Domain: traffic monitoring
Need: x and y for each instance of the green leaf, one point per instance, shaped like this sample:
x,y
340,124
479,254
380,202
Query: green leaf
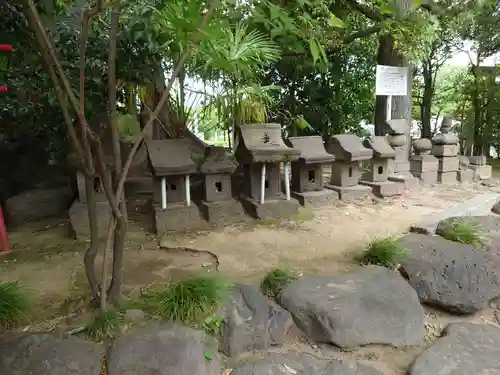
x,y
313,46
416,3
336,22
208,356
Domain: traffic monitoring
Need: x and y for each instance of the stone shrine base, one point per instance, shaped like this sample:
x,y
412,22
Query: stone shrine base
x,y
316,198
481,172
465,175
351,193
385,189
177,217
271,209
222,212
447,178
426,177
406,179
79,218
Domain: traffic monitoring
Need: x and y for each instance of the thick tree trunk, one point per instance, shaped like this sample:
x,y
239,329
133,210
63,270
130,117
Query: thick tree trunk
x,y
91,253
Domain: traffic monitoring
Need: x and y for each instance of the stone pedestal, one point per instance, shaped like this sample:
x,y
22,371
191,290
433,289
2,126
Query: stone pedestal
x,y
79,218
316,198
399,167
271,209
177,217
222,212
423,165
344,180
445,149
481,172
464,174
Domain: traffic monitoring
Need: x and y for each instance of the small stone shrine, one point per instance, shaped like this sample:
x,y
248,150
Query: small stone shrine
x,y
464,173
481,170
78,212
218,205
171,165
445,149
399,168
376,169
349,152
423,165
307,172
259,152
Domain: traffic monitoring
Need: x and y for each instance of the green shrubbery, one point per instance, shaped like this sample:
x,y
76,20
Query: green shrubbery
x,y
386,252
275,281
14,304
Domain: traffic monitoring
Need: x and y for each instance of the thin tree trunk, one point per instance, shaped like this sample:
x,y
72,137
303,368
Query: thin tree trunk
x,y
121,228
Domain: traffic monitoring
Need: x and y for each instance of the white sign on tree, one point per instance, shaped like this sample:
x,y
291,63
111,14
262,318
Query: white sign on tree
x,y
390,81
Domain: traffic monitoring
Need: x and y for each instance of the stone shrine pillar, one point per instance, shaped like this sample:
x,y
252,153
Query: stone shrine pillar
x,y
481,170
423,165
399,168
445,149
464,174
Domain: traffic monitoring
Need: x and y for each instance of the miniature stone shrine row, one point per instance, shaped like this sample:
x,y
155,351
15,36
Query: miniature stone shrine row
x,y
225,191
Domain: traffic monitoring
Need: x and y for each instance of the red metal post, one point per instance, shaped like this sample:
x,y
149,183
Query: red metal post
x,y
4,238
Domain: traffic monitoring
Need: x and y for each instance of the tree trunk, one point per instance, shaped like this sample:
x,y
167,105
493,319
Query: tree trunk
x,y
426,104
114,291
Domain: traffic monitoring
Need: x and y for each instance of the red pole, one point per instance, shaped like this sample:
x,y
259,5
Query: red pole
x,y
4,238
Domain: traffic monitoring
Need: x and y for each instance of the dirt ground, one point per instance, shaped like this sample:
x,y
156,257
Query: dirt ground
x,y
321,241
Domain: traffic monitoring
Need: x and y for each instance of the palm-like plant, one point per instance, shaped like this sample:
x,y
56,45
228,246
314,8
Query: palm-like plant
x,y
235,56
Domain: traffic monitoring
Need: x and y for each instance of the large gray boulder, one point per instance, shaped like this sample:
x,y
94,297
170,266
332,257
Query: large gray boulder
x,y
467,349
165,351
49,354
488,225
38,204
371,306
252,322
302,364
450,275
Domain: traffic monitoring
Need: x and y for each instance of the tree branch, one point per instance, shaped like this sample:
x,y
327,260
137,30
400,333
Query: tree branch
x,y
187,53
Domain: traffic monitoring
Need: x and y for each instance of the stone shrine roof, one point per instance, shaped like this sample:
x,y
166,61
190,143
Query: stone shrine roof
x,y
217,160
380,147
263,143
397,126
348,147
312,149
170,156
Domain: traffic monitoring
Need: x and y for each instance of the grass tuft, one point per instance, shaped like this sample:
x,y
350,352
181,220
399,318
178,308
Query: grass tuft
x,y
275,281
14,304
105,325
385,252
466,232
190,301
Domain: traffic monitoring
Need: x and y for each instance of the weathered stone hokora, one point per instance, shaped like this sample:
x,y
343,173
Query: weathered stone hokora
x,y
467,349
165,351
252,322
372,306
450,275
